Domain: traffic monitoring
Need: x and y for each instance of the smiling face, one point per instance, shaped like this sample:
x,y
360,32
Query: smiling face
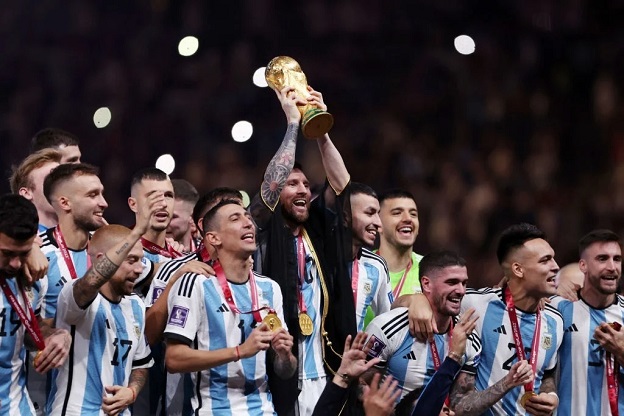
x,y
445,289
601,262
295,198
83,198
399,221
365,222
233,231
122,282
535,262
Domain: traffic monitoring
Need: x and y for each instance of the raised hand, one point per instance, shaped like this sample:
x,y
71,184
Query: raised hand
x,y
290,100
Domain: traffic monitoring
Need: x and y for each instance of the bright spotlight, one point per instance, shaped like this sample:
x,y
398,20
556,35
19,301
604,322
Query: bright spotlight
x,y
242,131
246,199
258,78
188,46
464,44
166,163
102,117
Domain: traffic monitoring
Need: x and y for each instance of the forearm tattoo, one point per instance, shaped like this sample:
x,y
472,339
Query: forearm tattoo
x,y
123,248
467,401
548,383
105,267
138,376
279,167
86,289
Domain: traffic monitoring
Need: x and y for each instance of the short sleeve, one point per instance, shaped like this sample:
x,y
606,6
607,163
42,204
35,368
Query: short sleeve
x,y
67,309
185,308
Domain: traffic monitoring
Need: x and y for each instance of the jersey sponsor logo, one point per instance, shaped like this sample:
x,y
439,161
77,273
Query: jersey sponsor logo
x,y
178,316
375,346
156,293
546,341
223,308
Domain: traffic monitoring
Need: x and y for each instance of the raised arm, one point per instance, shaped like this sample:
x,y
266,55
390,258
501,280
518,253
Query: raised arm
x,y
86,288
284,159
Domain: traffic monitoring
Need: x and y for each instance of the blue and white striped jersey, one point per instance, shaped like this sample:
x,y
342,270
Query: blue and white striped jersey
x,y
164,273
408,360
14,397
58,273
199,315
374,288
498,347
582,387
108,342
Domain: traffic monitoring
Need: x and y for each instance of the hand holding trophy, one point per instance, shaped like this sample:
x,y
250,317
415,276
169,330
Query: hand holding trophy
x,y
284,71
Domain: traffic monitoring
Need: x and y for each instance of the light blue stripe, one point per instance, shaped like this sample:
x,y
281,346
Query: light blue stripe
x,y
94,388
121,334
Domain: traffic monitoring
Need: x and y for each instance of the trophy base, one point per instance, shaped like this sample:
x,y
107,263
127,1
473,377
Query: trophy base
x,y
315,123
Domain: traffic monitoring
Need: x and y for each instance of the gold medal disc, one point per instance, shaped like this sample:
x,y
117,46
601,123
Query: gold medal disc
x,y
272,321
526,396
36,358
305,323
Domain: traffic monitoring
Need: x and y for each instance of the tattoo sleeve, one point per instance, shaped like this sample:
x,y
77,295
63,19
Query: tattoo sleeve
x,y
285,368
548,383
138,376
278,169
86,288
467,401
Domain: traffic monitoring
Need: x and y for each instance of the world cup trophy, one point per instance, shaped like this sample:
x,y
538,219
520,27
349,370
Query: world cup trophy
x,y
284,71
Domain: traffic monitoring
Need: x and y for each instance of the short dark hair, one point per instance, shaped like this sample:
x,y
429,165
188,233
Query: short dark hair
x,y
597,236
357,188
151,173
52,138
210,199
18,217
438,260
63,172
395,193
185,191
514,237
209,223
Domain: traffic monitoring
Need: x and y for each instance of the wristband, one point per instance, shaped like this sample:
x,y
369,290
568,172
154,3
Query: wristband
x,y
238,356
345,377
457,357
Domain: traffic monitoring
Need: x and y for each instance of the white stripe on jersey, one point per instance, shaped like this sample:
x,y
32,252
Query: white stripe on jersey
x,y
583,383
58,273
498,347
14,395
108,342
161,278
408,360
374,288
200,316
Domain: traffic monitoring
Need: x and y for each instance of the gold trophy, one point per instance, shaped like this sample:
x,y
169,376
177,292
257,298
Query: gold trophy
x,y
284,71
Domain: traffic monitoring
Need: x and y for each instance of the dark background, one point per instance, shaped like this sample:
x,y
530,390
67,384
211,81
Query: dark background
x,y
528,128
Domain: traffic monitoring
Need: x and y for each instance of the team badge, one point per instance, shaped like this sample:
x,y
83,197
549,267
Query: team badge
x,y
30,295
546,342
367,288
137,331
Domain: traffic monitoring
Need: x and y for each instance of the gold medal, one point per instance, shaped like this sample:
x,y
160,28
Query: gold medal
x,y
36,358
272,321
305,323
526,396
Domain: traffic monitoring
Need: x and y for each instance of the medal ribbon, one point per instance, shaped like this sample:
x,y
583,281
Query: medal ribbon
x,y
515,329
436,356
612,383
202,251
302,270
167,251
60,240
225,287
399,286
31,325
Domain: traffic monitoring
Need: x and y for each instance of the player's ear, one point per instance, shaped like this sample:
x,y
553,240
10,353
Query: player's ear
x,y
425,284
132,203
583,266
517,270
213,238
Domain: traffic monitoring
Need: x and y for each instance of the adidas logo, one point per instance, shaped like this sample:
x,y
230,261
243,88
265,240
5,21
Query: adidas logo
x,y
61,282
410,356
572,328
501,330
223,308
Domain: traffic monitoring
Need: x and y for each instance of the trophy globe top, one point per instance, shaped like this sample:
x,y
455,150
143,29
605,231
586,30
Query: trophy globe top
x,y
284,71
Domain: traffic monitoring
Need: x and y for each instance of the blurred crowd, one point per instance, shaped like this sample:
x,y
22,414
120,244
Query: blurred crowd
x,y
528,128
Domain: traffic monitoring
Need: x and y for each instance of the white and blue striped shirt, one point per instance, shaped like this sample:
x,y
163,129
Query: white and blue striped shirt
x,y
199,316
374,288
108,342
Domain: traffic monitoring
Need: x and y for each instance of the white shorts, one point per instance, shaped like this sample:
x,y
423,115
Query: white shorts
x,y
311,390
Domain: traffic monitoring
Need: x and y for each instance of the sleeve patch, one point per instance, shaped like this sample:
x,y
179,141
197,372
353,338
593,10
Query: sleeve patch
x,y
374,346
178,316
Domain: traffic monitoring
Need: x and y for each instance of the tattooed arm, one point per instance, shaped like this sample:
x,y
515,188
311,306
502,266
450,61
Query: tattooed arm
x,y
282,162
467,401
118,398
106,264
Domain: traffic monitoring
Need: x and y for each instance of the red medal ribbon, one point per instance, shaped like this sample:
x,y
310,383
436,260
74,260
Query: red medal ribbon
x,y
60,240
202,251
436,356
225,287
515,329
355,276
612,383
302,270
397,290
166,251
31,325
